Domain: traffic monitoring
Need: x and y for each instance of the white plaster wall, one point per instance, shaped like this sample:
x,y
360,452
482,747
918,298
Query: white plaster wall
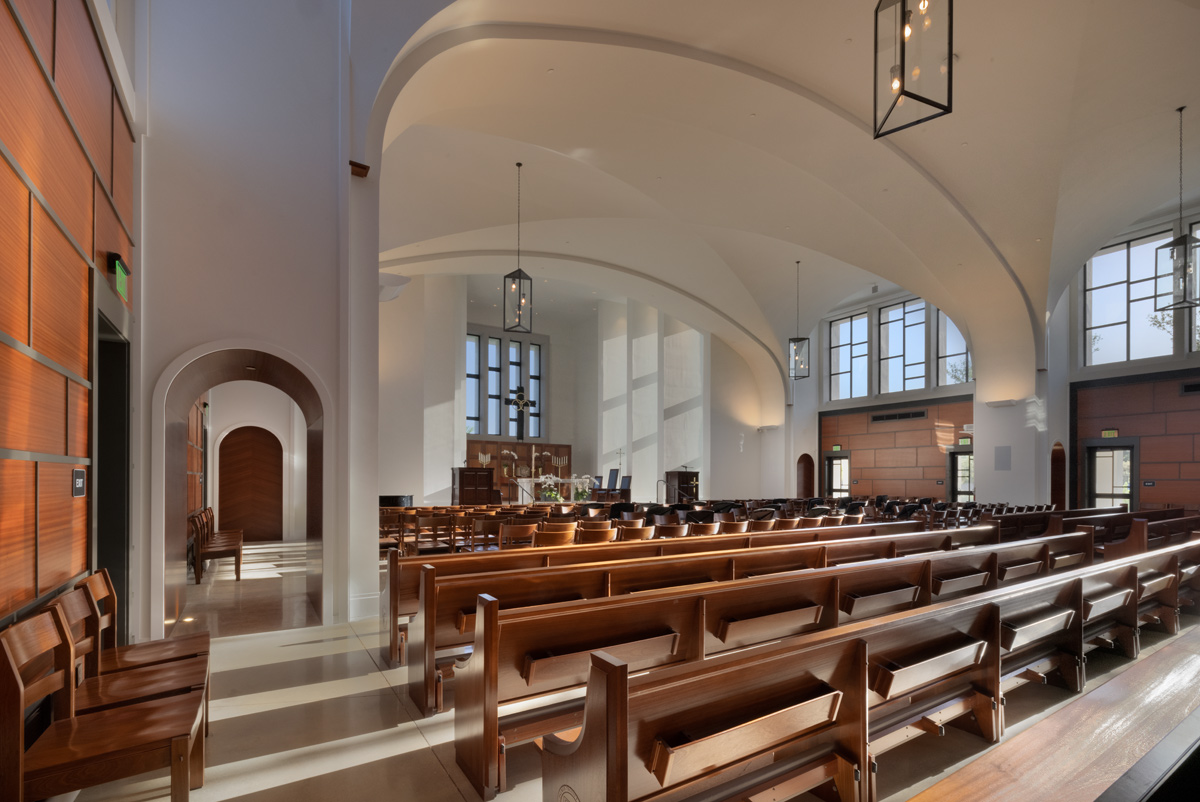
x,y
1019,427
444,381
237,404
683,398
734,422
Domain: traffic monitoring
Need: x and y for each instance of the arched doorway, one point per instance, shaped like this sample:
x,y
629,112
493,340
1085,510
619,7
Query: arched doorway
x,y
250,487
175,395
1058,476
805,477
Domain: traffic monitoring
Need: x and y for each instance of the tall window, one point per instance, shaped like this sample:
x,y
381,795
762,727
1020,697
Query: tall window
x,y
472,389
902,346
954,361
493,404
848,357
1120,286
514,381
535,390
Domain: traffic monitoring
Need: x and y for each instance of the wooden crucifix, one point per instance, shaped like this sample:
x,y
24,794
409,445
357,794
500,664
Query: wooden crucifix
x,y
520,403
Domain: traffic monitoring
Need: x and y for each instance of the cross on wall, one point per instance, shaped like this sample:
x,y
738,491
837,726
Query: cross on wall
x,y
521,404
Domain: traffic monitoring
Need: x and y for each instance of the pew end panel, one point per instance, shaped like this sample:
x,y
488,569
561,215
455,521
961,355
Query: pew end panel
x,y
1041,635
1109,611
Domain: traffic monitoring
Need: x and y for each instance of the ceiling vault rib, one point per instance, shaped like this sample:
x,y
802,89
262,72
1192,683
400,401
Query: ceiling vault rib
x,y
423,52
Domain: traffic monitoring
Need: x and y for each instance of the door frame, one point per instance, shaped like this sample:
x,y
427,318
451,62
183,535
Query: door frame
x,y
1086,445
827,474
951,477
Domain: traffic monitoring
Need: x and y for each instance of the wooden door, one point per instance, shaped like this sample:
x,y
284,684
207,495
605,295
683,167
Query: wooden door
x,y
251,484
805,477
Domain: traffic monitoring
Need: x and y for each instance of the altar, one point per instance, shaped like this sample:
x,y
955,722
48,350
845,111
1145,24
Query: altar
x,y
516,466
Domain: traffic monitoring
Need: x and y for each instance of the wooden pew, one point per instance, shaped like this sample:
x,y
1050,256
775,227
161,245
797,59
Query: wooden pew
x,y
1147,535
924,668
443,620
404,572
1109,526
1017,525
534,651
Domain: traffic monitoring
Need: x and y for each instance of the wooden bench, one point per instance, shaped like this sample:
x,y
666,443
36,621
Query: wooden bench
x,y
1109,526
76,751
924,668
1148,535
404,573
536,651
443,620
210,544
1017,525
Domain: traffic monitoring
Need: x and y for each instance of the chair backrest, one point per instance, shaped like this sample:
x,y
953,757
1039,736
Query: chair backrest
x,y
555,537
596,535
612,479
834,520
516,535
732,527
556,526
100,590
591,512
762,526
703,529
660,520
850,520
670,530
635,533
720,517
626,481
638,521
39,658
594,523
786,523
811,523
83,624
632,515
436,524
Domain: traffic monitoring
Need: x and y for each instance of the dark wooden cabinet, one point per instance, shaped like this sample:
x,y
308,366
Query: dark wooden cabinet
x,y
472,486
682,486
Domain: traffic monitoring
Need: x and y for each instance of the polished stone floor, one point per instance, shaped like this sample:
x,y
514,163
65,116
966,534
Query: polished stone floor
x,y
303,712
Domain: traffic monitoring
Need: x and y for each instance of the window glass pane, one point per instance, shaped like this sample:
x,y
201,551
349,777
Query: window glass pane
x,y
952,370
839,332
1141,256
1106,345
891,339
889,314
891,375
859,372
535,391
493,352
472,393
1107,267
535,360
860,328
493,382
535,427
839,360
493,426
472,354
842,386
1106,306
914,343
950,339
1151,333
514,377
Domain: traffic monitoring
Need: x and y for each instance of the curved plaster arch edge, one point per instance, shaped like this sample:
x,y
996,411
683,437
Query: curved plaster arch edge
x,y
154,535
406,66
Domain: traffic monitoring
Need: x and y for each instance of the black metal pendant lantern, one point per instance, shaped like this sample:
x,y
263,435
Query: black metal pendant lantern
x,y
1178,257
914,62
518,286
798,361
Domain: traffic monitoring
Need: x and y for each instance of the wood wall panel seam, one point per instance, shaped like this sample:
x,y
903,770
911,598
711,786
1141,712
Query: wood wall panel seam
x,y
44,127
14,255
83,83
32,404
42,203
61,300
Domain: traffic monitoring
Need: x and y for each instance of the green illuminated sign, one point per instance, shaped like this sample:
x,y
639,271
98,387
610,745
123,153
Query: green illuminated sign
x,y
837,448
1107,433
120,275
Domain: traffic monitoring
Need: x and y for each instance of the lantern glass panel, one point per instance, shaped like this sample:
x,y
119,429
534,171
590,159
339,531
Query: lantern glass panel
x,y
913,62
518,302
798,358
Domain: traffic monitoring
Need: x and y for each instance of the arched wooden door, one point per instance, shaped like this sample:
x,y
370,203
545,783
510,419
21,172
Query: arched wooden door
x,y
251,484
805,477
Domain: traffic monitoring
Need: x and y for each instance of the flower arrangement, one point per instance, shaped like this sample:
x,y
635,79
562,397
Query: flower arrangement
x,y
549,489
581,487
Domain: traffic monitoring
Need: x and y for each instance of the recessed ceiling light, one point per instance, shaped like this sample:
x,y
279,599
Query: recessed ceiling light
x,y
251,368
188,620
550,69
1039,239
752,114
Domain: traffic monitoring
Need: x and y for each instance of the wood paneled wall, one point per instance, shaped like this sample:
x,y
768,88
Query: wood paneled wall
x,y
1163,422
66,201
901,458
251,492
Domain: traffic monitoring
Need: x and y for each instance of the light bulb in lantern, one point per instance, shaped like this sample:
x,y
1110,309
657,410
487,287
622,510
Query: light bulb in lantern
x,y
895,78
923,6
907,25
513,287
927,23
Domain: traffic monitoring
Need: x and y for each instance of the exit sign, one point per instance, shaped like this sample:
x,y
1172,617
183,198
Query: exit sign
x,y
1107,433
964,441
78,478
837,448
120,272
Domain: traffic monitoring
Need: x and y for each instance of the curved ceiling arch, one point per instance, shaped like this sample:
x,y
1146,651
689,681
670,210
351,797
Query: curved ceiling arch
x,y
1028,341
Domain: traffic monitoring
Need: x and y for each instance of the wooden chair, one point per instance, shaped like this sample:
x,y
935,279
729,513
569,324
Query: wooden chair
x,y
703,529
209,544
762,526
485,533
833,520
852,520
555,537
635,532
633,516
811,523
434,531
660,520
514,536
81,750
786,523
597,535
389,529
732,527
594,523
670,530
104,656
638,521
723,517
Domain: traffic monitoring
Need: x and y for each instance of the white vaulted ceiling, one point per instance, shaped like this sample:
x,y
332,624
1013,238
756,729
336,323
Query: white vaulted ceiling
x,y
690,151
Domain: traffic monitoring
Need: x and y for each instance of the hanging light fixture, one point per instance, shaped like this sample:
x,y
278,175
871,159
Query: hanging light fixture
x,y
1178,257
798,362
518,287
914,62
